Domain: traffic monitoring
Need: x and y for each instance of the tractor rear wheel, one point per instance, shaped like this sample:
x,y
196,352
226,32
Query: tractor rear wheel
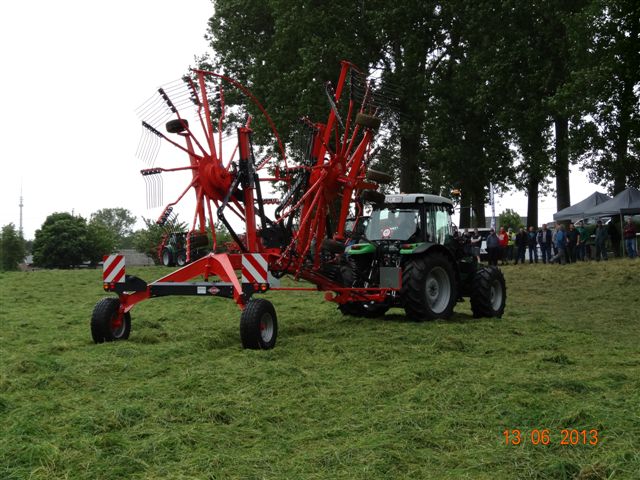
x,y
488,293
429,289
258,325
167,258
108,323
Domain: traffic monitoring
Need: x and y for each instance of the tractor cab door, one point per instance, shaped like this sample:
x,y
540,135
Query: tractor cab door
x,y
438,224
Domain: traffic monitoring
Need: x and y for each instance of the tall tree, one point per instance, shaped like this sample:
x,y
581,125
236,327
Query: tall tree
x,y
116,222
609,133
468,139
12,248
65,241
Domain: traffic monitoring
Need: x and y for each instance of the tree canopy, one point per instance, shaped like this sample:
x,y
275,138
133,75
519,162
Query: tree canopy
x,y
500,92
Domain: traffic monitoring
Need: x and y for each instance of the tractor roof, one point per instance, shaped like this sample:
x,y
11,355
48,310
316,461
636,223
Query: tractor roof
x,y
418,198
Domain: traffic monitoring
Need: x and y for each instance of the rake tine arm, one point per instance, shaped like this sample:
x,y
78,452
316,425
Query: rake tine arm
x,y
175,144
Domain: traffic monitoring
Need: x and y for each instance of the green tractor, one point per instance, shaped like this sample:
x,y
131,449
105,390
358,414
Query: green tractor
x,y
409,246
174,246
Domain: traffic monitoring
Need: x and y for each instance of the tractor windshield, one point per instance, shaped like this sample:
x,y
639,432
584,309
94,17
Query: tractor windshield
x,y
393,224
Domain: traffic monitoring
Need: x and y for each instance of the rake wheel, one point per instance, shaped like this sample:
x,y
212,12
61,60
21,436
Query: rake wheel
x,y
108,323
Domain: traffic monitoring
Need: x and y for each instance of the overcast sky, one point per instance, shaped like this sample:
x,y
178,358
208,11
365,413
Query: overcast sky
x,y
73,73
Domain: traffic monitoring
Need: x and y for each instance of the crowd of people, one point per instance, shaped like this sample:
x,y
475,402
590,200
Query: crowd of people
x,y
560,245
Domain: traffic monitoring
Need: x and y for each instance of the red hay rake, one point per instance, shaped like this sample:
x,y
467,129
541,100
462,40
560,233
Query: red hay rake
x,y
304,236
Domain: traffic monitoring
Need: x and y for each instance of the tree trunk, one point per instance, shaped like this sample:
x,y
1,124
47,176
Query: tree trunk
x,y
622,142
465,210
478,204
532,202
627,99
409,171
563,194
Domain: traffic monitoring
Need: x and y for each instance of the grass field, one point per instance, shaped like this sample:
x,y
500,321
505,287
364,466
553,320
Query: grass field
x,y
338,398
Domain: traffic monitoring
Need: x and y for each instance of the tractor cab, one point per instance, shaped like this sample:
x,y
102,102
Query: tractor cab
x,y
411,218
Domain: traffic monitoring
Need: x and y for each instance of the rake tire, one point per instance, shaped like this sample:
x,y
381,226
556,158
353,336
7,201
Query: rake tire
x,y
105,324
372,196
368,121
258,325
429,289
378,176
333,246
488,293
177,125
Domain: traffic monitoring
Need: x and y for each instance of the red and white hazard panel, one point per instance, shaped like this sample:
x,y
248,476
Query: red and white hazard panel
x,y
255,269
113,269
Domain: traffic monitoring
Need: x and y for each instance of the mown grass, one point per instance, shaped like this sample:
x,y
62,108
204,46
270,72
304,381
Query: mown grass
x,y
338,397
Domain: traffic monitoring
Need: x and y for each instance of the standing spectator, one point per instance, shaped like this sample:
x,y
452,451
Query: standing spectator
x,y
614,233
476,242
510,245
629,235
493,247
466,242
601,241
561,246
582,241
521,245
572,243
544,240
532,239
553,240
503,238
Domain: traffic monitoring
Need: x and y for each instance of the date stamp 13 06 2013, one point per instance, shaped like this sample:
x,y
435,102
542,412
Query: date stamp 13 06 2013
x,y
546,436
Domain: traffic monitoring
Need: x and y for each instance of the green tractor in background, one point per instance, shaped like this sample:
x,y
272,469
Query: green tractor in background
x,y
174,246
409,246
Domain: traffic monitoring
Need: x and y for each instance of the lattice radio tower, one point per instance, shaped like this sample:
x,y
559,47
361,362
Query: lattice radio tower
x,y
21,205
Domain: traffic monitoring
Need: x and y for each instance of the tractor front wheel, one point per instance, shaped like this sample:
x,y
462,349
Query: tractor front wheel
x,y
181,259
258,325
358,309
363,309
488,293
428,287
167,258
108,323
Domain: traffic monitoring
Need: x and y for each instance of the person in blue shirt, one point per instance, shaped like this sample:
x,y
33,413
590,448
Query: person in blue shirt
x,y
493,247
561,246
533,242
